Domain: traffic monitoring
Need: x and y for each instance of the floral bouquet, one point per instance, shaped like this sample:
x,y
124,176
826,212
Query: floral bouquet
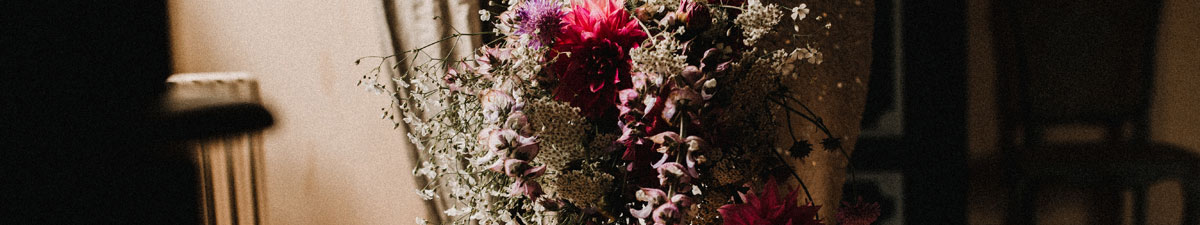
x,y
615,112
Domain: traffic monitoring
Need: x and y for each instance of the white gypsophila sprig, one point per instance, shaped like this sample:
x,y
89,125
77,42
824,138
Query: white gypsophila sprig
x,y
443,116
800,12
786,63
445,132
484,15
757,20
527,62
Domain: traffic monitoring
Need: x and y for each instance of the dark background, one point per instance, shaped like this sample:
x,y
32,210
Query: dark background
x,y
931,150
83,80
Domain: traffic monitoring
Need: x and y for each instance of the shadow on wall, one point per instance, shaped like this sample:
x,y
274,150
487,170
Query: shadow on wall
x,y
1172,120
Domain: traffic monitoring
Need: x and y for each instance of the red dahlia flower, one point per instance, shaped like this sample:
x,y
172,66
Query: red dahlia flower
x,y
767,209
594,62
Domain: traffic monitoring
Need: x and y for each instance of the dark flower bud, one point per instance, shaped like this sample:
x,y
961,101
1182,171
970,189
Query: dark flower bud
x,y
691,73
800,149
694,17
831,143
643,14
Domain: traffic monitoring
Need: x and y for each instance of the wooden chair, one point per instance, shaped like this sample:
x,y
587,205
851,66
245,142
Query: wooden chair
x,y
221,121
1090,63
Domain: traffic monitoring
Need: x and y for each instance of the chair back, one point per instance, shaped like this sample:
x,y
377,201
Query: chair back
x,y
230,165
1085,62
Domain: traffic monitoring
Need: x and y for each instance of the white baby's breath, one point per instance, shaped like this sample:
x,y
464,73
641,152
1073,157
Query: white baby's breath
x,y
426,194
484,15
427,170
457,211
800,12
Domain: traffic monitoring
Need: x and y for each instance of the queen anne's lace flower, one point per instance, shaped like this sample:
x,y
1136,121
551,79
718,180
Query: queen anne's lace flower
x,y
559,127
757,20
583,188
662,54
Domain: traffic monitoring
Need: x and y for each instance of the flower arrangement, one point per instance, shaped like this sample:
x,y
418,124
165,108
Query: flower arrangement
x,y
612,112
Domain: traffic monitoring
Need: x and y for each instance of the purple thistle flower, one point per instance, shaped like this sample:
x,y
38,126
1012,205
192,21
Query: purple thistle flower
x,y
541,19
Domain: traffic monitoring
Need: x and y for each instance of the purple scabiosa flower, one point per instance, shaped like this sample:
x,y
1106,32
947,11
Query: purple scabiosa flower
x,y
541,20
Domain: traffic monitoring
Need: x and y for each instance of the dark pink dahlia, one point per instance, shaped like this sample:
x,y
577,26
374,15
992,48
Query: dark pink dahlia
x,y
768,209
593,55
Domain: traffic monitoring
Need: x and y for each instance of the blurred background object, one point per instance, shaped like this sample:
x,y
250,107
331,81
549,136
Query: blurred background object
x,y
229,165
913,154
1087,64
330,158
1171,119
87,140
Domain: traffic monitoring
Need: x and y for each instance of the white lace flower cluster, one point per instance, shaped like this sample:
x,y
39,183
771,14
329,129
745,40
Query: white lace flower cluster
x,y
757,20
660,54
583,187
559,127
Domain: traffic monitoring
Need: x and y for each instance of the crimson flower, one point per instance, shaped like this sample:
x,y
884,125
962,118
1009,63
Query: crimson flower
x,y
767,209
593,55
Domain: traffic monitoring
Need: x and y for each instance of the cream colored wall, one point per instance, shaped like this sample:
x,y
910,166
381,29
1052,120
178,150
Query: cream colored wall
x,y
1174,119
329,159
